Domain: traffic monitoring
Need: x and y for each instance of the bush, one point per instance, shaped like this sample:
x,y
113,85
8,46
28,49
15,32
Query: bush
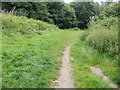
x,y
108,23
22,25
111,10
103,35
76,28
83,36
104,41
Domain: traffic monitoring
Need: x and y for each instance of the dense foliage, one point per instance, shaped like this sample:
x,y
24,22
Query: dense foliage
x,y
22,25
29,9
98,47
59,13
83,12
103,31
62,14
112,9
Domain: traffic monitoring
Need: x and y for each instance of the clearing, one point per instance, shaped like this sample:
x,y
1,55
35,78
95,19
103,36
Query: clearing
x,y
35,62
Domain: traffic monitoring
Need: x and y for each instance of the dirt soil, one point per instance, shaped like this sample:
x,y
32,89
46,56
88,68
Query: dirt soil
x,y
65,79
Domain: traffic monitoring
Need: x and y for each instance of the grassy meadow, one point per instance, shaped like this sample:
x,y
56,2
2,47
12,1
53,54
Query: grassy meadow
x,y
31,59
32,49
34,63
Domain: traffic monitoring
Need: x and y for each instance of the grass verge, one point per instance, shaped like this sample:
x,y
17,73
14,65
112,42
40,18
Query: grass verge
x,y
84,57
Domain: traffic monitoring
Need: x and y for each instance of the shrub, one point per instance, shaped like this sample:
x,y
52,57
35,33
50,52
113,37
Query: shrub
x,y
19,24
83,36
111,10
108,23
76,28
103,35
104,41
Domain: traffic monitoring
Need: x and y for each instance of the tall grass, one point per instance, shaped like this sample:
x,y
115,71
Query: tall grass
x,y
22,25
102,37
85,56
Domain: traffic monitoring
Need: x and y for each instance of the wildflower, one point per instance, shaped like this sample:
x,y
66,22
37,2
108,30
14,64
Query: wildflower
x,y
2,11
8,12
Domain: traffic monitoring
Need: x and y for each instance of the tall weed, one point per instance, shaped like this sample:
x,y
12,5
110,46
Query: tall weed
x,y
102,37
22,25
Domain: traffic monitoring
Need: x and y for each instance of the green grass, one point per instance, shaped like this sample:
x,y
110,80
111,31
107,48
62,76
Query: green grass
x,y
32,52
34,61
0,61
85,56
19,25
103,36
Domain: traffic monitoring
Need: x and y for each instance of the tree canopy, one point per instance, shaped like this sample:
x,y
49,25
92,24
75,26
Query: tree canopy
x,y
75,14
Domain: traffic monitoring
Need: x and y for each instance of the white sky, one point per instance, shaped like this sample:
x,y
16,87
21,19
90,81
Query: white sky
x,y
67,1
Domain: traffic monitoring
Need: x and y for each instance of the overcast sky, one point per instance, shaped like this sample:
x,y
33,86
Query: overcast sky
x,y
67,1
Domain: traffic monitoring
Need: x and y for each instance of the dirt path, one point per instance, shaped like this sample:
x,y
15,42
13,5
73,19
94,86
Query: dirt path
x,y
98,72
65,79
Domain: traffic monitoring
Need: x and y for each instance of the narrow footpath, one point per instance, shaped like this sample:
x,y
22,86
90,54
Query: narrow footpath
x,y
99,72
65,79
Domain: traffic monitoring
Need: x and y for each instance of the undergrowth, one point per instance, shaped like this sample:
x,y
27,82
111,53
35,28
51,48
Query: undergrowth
x,y
83,57
98,47
103,36
20,25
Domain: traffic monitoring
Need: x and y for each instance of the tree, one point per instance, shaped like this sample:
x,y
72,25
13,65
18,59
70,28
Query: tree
x,y
96,8
36,10
112,9
62,14
69,17
83,11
